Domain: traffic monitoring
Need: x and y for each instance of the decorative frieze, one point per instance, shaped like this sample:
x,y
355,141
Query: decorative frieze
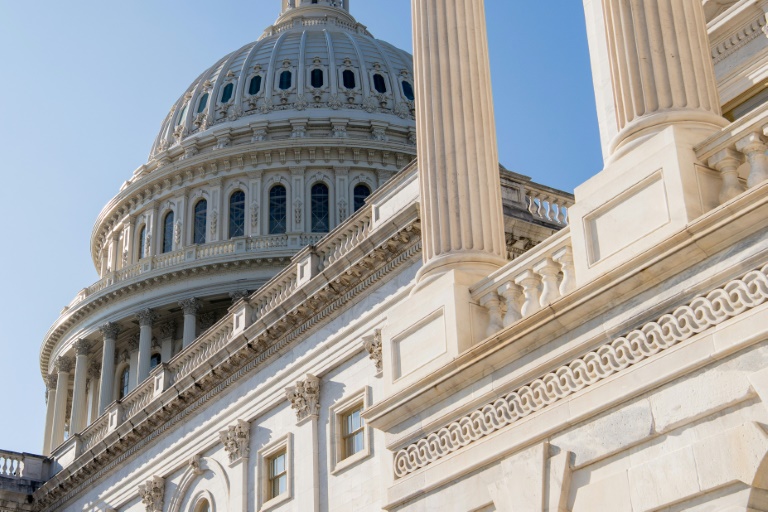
x,y
152,494
236,440
703,312
372,344
305,397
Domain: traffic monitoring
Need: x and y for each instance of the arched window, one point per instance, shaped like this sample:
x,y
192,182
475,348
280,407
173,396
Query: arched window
x,y
237,214
348,76
182,115
286,79
155,360
379,84
142,242
203,506
168,233
277,210
317,78
226,94
320,208
361,193
201,217
255,85
408,91
203,103
122,384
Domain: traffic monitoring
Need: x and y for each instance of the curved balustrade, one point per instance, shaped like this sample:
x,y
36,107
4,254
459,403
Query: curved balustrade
x,y
548,207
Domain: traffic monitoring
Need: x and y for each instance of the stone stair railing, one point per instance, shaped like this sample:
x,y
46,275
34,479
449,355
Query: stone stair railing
x,y
529,283
739,148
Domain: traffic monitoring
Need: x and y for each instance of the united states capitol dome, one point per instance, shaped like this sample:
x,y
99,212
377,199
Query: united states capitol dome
x,y
316,62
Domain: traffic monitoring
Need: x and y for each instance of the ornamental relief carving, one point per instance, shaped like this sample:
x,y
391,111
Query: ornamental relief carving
x,y
372,345
236,440
152,494
305,397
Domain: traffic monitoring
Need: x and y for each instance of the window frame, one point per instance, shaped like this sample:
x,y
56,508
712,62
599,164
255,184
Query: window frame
x,y
230,211
355,208
312,204
228,88
250,84
168,232
141,246
204,224
269,210
339,461
265,456
122,369
202,103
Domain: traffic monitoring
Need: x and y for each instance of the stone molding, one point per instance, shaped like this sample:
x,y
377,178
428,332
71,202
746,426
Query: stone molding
x,y
703,312
305,397
152,494
372,344
741,38
190,306
236,440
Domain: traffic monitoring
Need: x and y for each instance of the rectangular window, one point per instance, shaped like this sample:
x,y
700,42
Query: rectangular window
x,y
353,432
278,475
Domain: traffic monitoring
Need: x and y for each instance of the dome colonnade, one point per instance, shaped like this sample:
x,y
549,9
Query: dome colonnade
x,y
267,151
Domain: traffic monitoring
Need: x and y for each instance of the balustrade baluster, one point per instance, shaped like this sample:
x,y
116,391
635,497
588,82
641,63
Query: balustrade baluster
x,y
491,302
548,271
564,257
529,281
753,146
727,163
512,295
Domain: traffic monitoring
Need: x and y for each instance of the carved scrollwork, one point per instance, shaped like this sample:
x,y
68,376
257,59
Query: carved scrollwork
x,y
305,397
236,440
153,494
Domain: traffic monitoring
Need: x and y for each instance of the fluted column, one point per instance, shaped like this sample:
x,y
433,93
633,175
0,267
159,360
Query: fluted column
x,y
110,332
78,414
462,221
63,367
190,307
656,57
94,380
50,384
146,318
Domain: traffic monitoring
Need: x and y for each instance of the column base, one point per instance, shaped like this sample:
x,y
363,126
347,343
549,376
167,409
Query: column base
x,y
477,263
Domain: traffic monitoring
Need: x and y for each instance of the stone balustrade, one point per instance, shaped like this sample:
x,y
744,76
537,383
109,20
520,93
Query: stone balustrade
x,y
548,206
529,283
739,150
11,464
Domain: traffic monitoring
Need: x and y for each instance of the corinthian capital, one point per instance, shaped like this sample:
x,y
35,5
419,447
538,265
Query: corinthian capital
x,y
64,364
110,330
190,306
51,382
305,397
82,347
146,317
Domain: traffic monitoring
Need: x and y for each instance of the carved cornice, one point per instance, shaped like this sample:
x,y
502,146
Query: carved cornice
x,y
236,440
739,39
234,361
305,397
702,313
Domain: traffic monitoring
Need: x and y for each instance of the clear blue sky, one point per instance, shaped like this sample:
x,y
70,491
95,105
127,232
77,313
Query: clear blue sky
x,y
86,85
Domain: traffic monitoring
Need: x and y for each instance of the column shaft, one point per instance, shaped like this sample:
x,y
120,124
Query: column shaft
x,y
659,64
458,158
107,386
190,307
64,366
49,413
146,319
78,413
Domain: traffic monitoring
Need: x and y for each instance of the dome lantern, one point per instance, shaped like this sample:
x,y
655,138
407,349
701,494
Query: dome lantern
x,y
289,5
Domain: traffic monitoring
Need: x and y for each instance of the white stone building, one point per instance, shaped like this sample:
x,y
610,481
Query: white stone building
x,y
293,315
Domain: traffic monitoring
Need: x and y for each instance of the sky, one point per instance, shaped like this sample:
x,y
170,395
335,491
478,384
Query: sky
x,y
88,82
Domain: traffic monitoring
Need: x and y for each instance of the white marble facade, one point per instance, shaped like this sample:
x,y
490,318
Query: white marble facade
x,y
607,354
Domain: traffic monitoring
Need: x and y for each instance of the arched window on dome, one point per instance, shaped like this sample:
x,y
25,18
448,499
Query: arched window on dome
x,y
348,77
123,383
237,214
255,86
317,78
168,233
142,245
203,506
379,84
201,218
278,200
320,208
155,360
408,91
360,194
182,114
286,80
226,94
203,103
